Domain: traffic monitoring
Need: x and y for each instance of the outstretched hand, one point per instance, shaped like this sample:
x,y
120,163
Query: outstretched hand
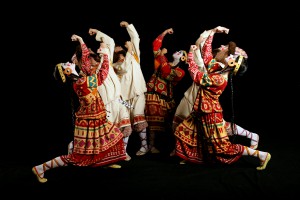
x,y
163,51
193,48
92,31
169,31
124,24
221,29
75,37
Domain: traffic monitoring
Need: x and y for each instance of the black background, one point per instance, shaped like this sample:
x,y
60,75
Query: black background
x,y
36,119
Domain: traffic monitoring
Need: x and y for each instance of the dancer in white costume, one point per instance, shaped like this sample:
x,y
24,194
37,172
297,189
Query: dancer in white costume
x,y
133,85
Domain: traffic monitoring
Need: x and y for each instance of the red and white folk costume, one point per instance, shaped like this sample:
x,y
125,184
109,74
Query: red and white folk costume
x,y
97,141
186,104
202,136
160,102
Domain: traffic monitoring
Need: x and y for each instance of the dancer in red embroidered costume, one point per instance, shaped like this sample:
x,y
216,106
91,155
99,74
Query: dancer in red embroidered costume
x,y
185,106
202,136
97,141
160,102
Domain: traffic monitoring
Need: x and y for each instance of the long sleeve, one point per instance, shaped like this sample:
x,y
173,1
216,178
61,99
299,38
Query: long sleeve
x,y
197,53
128,60
135,40
199,77
103,72
157,43
100,36
169,73
86,65
198,59
207,50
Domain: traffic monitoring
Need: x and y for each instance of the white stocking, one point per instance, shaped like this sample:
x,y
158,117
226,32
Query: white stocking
x,y
238,130
252,136
143,138
125,140
144,145
39,170
56,162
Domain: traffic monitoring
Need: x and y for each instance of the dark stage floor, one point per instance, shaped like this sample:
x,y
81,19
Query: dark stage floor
x,y
158,176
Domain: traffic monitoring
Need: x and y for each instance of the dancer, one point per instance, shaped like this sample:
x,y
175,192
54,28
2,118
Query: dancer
x,y
202,137
97,141
185,106
133,85
160,102
110,92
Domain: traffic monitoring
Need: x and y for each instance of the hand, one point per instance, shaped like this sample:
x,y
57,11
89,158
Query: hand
x,y
164,51
169,31
193,48
73,38
76,38
92,31
124,24
221,29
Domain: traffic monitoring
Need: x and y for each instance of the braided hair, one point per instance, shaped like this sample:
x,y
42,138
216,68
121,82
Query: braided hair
x,y
241,71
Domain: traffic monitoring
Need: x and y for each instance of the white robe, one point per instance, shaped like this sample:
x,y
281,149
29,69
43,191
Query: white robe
x,y
110,90
186,104
131,76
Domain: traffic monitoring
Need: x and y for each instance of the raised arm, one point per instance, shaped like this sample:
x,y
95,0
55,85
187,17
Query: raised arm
x,y
197,53
85,67
129,54
207,47
102,37
199,77
102,70
157,43
134,37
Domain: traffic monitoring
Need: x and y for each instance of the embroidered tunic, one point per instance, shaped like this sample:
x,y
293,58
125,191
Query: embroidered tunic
x,y
160,102
97,141
165,77
202,135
